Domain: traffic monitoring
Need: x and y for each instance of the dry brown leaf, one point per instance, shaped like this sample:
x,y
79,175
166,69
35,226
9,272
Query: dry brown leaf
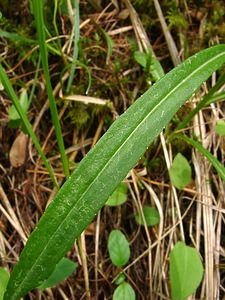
x,y
18,151
124,14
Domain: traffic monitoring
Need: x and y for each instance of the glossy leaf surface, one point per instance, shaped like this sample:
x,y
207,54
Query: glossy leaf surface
x,y
104,167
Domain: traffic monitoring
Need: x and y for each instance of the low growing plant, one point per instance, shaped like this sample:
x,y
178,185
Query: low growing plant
x,y
150,214
180,172
186,271
119,252
63,269
105,166
119,196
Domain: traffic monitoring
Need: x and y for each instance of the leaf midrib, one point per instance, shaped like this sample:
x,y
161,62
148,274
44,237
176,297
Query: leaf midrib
x,y
102,170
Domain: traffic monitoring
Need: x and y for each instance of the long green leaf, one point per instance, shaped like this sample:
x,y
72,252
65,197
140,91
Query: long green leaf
x,y
104,167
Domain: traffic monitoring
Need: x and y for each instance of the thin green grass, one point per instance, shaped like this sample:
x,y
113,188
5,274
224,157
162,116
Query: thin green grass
x,y
10,91
214,161
35,81
76,30
38,14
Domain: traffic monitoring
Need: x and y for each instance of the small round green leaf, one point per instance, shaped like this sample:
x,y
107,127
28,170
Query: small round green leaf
x,y
4,278
119,196
180,172
151,215
220,127
62,270
118,247
186,271
124,292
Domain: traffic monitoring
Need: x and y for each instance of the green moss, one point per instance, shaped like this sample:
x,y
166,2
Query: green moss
x,y
177,20
215,26
78,114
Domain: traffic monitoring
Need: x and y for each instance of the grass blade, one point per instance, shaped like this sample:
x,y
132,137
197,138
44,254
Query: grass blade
x,y
104,167
216,164
10,91
16,38
76,22
39,19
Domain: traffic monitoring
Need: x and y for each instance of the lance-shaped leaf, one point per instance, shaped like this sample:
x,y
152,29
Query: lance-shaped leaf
x,y
104,167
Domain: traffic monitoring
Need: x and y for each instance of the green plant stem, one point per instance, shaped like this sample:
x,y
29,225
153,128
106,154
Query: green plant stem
x,y
39,19
10,91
